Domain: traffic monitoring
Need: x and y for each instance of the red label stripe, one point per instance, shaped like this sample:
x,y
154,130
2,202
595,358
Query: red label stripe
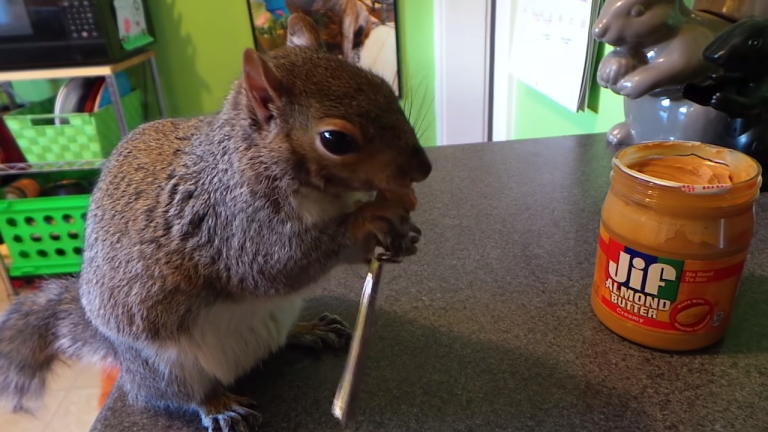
x,y
602,244
709,276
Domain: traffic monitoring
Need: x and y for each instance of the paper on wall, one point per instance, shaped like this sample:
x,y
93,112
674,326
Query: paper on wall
x,y
553,50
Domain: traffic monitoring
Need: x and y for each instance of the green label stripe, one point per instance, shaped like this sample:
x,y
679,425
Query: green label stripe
x,y
670,289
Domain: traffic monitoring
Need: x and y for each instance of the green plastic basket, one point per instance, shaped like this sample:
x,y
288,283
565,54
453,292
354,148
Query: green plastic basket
x,y
79,136
44,236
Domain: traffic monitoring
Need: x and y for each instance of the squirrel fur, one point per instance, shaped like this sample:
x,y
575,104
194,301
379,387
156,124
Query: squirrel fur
x,y
204,235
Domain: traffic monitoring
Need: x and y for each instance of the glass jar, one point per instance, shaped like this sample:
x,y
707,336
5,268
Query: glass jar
x,y
672,249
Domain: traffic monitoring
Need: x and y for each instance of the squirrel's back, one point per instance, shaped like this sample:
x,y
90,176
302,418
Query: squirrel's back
x,y
128,241
139,166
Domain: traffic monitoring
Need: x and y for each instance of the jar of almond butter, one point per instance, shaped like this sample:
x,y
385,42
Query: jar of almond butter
x,y
675,231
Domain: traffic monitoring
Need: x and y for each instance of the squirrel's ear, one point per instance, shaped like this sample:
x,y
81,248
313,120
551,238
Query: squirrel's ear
x,y
302,32
261,83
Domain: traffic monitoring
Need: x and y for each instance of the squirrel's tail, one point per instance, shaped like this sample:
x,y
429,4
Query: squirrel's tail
x,y
37,330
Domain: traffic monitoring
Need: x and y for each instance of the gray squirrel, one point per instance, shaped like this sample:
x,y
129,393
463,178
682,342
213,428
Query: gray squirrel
x,y
204,235
346,24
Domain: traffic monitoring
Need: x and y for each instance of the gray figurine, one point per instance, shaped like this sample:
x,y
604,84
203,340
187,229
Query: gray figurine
x,y
658,46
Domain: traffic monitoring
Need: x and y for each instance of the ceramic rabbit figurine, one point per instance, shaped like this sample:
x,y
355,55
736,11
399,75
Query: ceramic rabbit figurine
x,y
658,46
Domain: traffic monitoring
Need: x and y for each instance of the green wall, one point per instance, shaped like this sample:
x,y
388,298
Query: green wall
x,y
417,63
200,45
534,115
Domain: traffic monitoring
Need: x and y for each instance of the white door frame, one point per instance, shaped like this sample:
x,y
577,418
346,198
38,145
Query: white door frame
x,y
462,70
502,127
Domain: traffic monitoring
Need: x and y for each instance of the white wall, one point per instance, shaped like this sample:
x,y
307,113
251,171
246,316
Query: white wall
x,y
503,82
462,57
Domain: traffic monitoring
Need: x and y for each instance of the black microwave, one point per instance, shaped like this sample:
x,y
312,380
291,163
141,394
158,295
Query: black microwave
x,y
36,34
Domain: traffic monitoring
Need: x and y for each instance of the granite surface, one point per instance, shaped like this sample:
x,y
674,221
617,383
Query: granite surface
x,y
489,327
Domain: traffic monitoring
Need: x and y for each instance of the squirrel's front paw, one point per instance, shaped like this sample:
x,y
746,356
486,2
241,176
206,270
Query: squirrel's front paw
x,y
388,219
399,241
230,413
327,331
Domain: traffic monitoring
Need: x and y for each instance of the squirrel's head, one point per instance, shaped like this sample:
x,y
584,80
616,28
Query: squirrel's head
x,y
342,124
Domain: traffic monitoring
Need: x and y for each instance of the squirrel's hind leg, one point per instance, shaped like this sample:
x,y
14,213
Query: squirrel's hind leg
x,y
182,384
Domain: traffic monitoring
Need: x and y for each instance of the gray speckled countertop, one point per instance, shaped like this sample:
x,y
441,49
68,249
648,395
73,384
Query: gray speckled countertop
x,y
489,327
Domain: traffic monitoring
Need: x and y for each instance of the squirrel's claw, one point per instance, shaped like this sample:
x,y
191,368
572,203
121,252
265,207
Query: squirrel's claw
x,y
230,413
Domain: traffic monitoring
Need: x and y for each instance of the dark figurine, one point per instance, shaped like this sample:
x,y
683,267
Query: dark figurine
x,y
740,90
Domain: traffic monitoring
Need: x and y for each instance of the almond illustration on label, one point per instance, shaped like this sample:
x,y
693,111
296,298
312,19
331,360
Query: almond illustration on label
x,y
692,315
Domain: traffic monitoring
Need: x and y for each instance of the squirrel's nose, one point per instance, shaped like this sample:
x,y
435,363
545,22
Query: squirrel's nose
x,y
421,166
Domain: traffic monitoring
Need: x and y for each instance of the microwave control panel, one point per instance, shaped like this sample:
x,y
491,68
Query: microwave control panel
x,y
80,18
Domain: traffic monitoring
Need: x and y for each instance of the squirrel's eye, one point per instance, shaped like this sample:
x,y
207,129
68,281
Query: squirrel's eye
x,y
338,143
637,11
755,42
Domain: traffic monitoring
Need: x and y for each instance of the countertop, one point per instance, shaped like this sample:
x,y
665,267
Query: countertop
x,y
489,327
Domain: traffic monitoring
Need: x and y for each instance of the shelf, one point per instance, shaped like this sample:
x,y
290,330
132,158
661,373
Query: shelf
x,y
106,71
47,167
75,72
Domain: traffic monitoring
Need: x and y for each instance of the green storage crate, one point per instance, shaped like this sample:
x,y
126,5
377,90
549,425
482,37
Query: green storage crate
x,y
44,236
81,136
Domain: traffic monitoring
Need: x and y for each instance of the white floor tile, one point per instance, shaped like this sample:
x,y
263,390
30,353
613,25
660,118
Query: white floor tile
x,y
71,402
88,376
63,376
76,413
4,302
36,422
75,375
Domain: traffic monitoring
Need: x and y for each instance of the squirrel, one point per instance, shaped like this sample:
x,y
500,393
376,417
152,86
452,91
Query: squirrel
x,y
304,32
205,234
344,24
